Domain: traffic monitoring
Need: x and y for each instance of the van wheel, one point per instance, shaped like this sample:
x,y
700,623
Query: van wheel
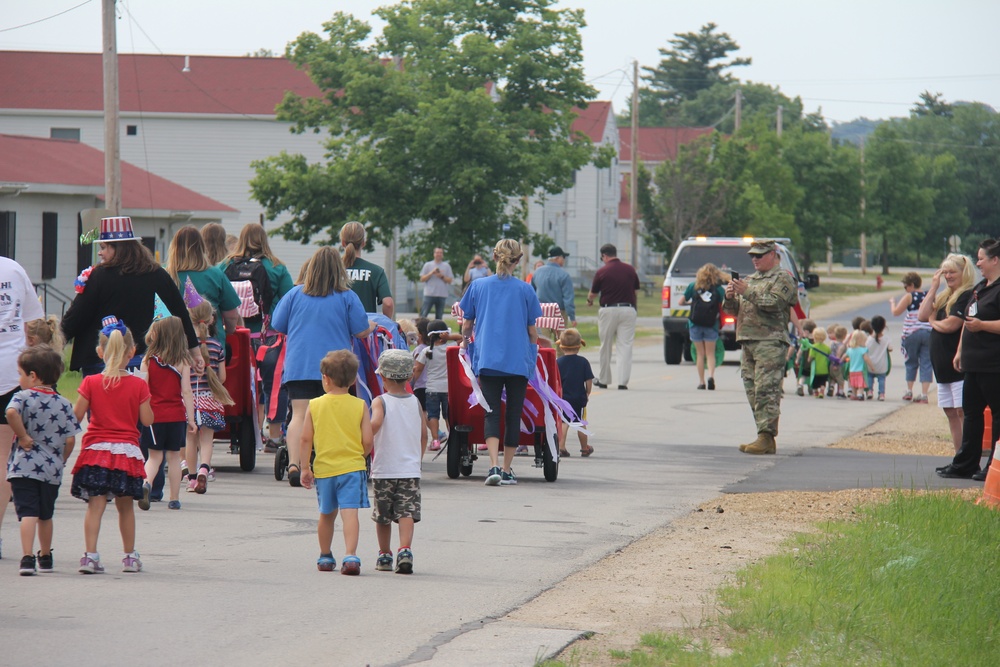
x,y
673,348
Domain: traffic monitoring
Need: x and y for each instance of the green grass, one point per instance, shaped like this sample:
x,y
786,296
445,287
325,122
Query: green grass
x,y
912,582
827,292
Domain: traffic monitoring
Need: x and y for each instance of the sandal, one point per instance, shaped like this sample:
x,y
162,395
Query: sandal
x,y
351,565
294,477
586,451
563,453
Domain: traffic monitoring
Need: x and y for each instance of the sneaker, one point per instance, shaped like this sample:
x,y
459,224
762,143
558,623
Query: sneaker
x,y
800,391
90,565
384,562
493,478
184,469
483,448
144,501
271,446
908,396
711,384
131,562
326,563
211,474
201,482
829,391
920,399
27,566
508,478
869,395
351,566
435,446
192,484
404,562
45,562
522,450
174,505
881,397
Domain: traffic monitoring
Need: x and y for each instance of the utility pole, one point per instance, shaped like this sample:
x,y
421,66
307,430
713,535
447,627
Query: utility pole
x,y
739,109
781,118
864,205
112,151
634,187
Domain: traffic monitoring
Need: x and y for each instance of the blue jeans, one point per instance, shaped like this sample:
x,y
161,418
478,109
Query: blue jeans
x,y
872,377
437,302
917,346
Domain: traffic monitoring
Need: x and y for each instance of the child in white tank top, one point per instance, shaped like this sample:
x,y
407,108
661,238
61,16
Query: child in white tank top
x,y
400,428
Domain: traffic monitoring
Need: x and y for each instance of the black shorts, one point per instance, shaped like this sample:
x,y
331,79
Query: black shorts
x,y
304,390
4,400
165,436
33,498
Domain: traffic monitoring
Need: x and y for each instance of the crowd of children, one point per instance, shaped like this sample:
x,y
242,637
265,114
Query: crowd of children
x,y
848,365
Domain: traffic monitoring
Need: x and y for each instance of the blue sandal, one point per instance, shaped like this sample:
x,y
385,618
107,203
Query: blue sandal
x,y
326,563
351,565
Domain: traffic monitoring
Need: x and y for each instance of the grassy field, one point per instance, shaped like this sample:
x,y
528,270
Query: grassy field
x,y
912,582
827,292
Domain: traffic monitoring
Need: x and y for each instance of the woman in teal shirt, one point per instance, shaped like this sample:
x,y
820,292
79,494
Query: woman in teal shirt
x,y
253,243
186,259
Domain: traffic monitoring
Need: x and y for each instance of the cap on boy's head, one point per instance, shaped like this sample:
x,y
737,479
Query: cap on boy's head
x,y
761,247
395,365
570,340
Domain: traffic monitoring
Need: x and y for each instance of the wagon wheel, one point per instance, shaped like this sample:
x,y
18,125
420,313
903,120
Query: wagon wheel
x,y
280,462
248,444
550,467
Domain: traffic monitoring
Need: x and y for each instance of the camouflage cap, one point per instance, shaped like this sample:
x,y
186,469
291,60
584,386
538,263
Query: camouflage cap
x,y
395,365
761,247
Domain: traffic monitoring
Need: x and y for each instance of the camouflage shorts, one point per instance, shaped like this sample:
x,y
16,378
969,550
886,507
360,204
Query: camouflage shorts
x,y
396,499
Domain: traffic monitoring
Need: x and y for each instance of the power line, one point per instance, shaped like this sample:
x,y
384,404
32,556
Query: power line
x,y
65,11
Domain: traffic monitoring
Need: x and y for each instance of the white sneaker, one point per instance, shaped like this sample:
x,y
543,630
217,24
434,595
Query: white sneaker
x,y
90,565
131,562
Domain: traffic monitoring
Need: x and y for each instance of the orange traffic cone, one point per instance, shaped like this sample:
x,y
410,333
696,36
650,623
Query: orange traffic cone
x,y
988,436
991,492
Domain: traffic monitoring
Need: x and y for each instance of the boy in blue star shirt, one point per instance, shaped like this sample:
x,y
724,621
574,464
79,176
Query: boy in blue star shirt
x,y
46,429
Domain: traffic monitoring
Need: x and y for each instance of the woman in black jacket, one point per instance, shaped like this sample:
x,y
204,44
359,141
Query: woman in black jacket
x,y
123,285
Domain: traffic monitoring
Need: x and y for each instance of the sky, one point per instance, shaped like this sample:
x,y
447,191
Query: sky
x,y
847,58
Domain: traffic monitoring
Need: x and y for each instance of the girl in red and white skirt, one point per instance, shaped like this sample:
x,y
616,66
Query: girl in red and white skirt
x,y
110,465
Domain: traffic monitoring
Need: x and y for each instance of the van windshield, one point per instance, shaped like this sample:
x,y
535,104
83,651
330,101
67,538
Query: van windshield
x,y
727,258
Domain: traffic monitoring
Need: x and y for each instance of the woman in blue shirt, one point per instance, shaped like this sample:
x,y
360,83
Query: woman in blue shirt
x,y
318,316
499,321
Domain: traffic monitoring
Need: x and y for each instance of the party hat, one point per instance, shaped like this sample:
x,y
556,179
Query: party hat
x,y
159,310
118,228
191,296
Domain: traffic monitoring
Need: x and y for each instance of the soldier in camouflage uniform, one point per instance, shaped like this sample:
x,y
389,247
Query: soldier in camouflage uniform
x,y
761,304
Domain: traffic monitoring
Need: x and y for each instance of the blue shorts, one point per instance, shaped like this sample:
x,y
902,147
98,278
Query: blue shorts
x,y
164,436
706,334
346,492
437,404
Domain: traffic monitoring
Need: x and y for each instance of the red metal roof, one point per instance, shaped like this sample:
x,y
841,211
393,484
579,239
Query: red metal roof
x,y
150,83
657,144
35,160
592,120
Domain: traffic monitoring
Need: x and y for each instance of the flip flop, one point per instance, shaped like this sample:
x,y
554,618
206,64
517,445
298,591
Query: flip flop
x,y
294,477
586,452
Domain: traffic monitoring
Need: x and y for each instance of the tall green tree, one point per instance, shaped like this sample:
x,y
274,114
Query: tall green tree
x,y
899,203
714,106
696,61
829,177
414,132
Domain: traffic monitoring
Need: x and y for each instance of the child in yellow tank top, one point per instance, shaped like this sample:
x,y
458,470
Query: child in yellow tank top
x,y
339,427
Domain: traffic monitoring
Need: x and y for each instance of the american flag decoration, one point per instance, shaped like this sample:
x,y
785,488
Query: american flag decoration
x,y
118,228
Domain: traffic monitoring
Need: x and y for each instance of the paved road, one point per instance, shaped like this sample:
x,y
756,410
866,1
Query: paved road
x,y
231,577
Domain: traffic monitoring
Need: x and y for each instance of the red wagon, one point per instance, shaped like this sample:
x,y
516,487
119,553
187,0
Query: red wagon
x,y
467,421
241,418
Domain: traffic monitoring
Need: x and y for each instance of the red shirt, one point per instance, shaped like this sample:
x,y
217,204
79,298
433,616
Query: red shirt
x,y
616,282
165,388
114,412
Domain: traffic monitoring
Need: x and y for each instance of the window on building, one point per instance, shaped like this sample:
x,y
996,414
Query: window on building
x,y
72,133
7,228
50,245
131,130
84,253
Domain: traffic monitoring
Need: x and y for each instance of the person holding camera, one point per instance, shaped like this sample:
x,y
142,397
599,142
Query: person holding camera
x,y
477,268
762,303
437,276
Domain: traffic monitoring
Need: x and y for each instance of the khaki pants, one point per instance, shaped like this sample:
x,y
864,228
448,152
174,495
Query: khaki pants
x,y
616,324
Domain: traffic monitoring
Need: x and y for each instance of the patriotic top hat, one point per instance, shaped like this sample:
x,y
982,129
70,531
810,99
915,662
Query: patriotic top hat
x,y
116,229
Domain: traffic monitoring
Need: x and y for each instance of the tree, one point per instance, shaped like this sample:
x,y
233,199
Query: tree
x,y
713,106
829,176
932,104
414,133
899,204
695,62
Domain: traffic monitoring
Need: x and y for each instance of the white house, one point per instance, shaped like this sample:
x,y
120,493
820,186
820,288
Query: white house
x,y
44,186
200,121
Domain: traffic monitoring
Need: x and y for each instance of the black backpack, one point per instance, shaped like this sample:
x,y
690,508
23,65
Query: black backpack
x,y
705,308
250,270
